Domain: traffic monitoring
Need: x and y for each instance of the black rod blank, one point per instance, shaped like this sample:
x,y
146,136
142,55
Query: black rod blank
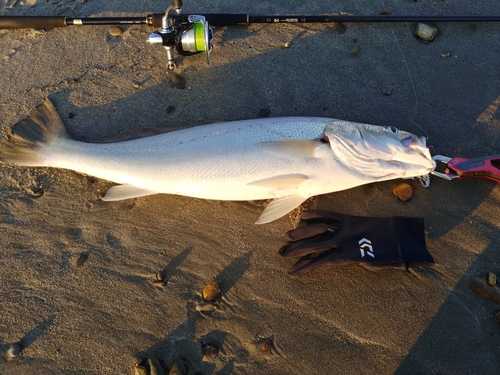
x,y
232,19
215,19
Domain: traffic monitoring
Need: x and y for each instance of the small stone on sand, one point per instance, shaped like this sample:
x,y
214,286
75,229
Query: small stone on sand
x,y
82,258
209,349
403,191
14,350
211,291
426,31
160,276
338,27
481,288
115,31
266,345
491,279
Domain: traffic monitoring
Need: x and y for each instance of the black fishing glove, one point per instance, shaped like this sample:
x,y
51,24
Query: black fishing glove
x,y
330,238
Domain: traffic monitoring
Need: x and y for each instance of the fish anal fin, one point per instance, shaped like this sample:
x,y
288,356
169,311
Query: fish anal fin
x,y
280,207
121,192
281,182
291,148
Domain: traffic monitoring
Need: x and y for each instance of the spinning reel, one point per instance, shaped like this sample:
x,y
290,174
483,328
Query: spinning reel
x,y
188,34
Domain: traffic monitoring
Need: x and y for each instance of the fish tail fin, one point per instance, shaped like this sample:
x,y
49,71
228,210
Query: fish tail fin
x,y
29,138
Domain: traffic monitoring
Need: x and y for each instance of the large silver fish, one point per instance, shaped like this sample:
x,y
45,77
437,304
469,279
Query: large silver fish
x,y
288,159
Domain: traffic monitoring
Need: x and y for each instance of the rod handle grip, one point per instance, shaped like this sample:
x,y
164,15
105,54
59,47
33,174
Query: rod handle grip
x,y
27,22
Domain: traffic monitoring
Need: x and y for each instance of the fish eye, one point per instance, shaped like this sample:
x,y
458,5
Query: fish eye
x,y
392,129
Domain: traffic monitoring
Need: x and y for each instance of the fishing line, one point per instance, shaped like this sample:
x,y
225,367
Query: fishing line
x,y
415,108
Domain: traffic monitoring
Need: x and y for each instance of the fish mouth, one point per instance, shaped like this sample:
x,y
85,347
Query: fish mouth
x,y
417,148
413,139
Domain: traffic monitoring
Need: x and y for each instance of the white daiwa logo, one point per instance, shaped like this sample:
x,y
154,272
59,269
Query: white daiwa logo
x,y
366,248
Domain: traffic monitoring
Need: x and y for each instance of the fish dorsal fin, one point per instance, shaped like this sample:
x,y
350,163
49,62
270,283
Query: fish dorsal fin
x,y
121,192
291,148
281,182
280,207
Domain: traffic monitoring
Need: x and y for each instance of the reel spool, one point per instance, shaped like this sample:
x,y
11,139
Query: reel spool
x,y
196,37
187,34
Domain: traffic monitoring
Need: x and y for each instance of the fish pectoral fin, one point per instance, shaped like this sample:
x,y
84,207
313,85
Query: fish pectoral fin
x,y
281,182
280,207
291,148
120,192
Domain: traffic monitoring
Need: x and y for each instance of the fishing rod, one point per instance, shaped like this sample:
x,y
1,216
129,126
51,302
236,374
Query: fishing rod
x,y
191,34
